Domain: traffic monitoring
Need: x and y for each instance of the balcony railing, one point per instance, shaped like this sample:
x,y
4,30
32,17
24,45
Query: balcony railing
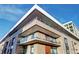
x,y
24,40
51,41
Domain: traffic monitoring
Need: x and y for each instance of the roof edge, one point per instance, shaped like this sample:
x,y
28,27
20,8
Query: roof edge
x,y
34,7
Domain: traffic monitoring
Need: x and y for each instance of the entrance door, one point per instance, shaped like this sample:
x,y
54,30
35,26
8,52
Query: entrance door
x,y
48,49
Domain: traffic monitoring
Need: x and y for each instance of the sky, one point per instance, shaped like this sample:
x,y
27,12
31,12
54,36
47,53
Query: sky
x,y
11,13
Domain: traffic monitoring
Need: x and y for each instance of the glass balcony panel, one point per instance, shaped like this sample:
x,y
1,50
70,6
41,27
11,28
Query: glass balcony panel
x,y
35,36
50,39
23,40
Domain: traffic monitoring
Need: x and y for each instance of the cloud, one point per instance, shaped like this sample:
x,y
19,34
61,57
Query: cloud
x,y
11,12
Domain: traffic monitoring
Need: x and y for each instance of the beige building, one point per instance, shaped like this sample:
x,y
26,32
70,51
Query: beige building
x,y
72,27
37,32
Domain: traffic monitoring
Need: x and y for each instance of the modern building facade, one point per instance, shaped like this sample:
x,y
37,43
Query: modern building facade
x,y
72,27
37,32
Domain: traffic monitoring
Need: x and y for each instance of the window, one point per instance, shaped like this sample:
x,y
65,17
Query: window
x,y
67,27
23,39
54,40
24,49
11,45
70,23
51,39
7,51
32,37
10,52
66,46
32,49
5,48
54,50
12,42
71,30
70,27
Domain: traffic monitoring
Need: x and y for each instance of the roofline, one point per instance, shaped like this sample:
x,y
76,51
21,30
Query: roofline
x,y
42,11
67,22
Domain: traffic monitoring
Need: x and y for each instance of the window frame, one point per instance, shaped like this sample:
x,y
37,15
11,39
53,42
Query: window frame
x,y
32,49
66,46
54,51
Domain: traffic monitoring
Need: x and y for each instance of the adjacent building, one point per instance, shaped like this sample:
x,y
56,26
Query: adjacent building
x,y
37,32
72,27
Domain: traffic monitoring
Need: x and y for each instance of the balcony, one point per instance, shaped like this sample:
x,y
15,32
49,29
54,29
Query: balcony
x,y
22,40
47,41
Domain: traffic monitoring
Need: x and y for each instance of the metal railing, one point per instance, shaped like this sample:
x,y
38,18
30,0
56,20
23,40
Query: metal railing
x,y
24,40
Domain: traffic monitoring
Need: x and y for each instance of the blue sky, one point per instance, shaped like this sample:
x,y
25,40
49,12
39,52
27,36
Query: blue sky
x,y
11,13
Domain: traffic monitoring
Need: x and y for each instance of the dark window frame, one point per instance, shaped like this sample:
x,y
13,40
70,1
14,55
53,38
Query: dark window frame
x,y
66,46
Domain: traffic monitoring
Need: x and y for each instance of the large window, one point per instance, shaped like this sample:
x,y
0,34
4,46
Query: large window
x,y
8,46
11,45
54,50
5,48
32,49
10,51
66,45
12,42
24,49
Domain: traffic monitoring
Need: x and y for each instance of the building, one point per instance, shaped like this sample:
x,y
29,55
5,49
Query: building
x,y
72,27
37,32
1,47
